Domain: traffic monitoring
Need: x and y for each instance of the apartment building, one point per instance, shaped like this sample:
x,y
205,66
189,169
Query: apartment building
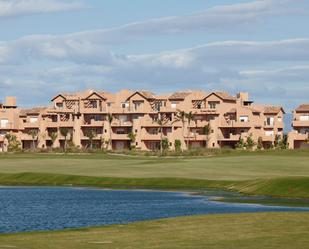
x,y
299,137
111,117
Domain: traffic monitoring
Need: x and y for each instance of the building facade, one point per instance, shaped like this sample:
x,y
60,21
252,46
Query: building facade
x,y
299,137
118,121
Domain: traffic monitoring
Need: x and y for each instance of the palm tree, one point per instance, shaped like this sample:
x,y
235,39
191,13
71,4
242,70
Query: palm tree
x,y
64,131
91,134
34,135
110,119
206,132
161,121
181,117
189,116
53,137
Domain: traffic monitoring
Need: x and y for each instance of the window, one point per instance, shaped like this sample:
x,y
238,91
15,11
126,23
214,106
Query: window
x,y
59,105
174,104
33,120
137,104
269,133
270,121
158,106
124,105
212,105
4,123
304,118
244,119
93,104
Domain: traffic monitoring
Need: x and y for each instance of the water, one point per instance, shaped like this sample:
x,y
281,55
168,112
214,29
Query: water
x,y
39,209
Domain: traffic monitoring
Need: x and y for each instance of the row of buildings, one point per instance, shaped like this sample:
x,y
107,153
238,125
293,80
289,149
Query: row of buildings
x,y
111,117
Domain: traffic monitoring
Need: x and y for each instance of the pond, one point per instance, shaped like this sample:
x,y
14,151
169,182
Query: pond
x,y
44,208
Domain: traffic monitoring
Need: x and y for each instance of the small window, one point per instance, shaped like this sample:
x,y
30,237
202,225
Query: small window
x,y
105,131
213,105
174,105
59,105
4,123
244,119
33,120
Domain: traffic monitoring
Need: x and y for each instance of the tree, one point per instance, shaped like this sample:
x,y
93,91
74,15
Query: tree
x,y
189,116
53,137
110,119
177,145
132,137
34,135
240,144
260,143
250,142
13,143
161,121
277,141
165,144
284,142
64,131
181,117
206,132
90,134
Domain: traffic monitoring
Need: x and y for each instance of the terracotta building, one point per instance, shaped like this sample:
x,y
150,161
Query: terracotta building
x,y
299,137
111,117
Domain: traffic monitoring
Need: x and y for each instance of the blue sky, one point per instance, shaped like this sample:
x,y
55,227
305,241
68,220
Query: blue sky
x,y
51,46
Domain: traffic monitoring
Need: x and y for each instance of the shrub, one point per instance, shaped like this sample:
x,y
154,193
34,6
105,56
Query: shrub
x,y
240,144
250,143
177,145
260,143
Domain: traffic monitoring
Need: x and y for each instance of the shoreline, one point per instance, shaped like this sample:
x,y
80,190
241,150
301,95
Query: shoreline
x,y
228,194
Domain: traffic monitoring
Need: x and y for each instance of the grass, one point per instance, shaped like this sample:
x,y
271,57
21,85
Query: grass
x,y
249,231
273,173
235,166
281,187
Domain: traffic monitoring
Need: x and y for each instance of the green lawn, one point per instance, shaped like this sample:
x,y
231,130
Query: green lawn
x,y
247,231
233,167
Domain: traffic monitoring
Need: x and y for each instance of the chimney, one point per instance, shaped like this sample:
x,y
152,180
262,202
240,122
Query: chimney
x,y
243,96
10,101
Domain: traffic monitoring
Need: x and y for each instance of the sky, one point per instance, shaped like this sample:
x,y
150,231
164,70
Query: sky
x,y
52,46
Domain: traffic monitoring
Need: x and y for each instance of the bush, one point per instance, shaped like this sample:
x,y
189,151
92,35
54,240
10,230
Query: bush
x,y
177,145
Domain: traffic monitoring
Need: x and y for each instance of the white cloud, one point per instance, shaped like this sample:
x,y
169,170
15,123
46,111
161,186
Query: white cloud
x,y
13,8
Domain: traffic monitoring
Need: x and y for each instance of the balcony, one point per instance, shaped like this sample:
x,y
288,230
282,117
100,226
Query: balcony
x,y
235,124
93,123
152,137
31,125
68,123
151,123
120,136
121,123
298,136
51,124
230,137
298,123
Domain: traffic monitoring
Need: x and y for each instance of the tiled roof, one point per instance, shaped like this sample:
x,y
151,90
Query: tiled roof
x,y
225,96
302,108
35,110
147,94
272,109
179,95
